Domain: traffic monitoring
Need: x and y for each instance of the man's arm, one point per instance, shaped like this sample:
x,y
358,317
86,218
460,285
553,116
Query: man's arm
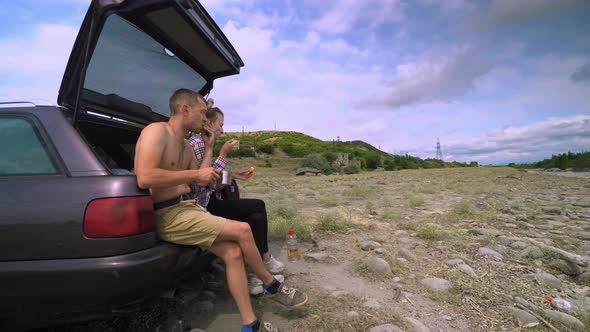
x,y
148,154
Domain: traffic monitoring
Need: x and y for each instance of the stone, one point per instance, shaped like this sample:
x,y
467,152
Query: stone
x,y
372,303
518,245
545,227
396,279
416,325
570,322
379,251
401,233
545,278
379,266
402,260
583,236
569,268
385,328
320,257
485,251
369,245
485,231
407,254
532,252
467,270
454,262
448,318
197,330
307,171
352,314
522,318
436,284
504,240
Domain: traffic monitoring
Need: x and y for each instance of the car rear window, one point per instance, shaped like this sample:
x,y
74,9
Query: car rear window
x,y
129,63
22,150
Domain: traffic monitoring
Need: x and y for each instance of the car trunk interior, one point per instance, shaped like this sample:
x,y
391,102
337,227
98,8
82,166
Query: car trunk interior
x,y
112,141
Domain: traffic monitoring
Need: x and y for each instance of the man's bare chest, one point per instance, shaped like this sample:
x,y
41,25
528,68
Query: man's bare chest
x,y
176,156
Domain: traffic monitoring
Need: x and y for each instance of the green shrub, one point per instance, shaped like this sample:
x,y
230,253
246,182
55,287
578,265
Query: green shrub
x,y
389,165
328,200
331,222
281,218
330,156
244,152
284,211
430,232
265,148
353,167
390,213
372,160
317,161
416,200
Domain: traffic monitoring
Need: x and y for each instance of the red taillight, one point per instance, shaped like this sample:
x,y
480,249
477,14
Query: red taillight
x,y
120,216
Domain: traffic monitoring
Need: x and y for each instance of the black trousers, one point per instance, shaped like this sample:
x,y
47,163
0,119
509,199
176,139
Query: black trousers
x,y
252,211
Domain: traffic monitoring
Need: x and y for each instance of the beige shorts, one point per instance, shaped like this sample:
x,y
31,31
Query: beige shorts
x,y
189,224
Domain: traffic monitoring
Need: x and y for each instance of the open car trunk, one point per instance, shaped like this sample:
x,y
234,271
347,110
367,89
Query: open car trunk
x,y
130,56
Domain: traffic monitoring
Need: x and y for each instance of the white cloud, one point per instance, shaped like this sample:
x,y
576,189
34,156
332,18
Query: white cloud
x,y
46,51
535,141
342,15
431,78
36,63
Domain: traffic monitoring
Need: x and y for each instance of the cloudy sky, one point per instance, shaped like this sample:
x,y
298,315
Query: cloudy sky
x,y
496,81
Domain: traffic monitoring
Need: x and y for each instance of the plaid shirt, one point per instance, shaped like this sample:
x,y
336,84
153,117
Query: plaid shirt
x,y
202,194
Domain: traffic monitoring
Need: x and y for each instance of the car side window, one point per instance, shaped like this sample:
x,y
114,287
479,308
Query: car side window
x,y
22,149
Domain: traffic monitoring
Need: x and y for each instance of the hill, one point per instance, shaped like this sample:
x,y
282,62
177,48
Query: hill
x,y
298,145
295,144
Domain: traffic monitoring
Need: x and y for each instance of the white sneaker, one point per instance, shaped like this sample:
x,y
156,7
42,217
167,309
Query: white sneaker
x,y
255,285
274,266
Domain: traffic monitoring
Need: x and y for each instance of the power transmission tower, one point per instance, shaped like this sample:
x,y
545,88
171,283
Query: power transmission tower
x,y
439,155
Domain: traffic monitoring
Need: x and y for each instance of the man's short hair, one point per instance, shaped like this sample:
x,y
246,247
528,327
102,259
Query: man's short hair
x,y
182,96
213,112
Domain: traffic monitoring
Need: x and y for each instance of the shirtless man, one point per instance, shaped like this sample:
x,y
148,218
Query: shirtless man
x,y
165,163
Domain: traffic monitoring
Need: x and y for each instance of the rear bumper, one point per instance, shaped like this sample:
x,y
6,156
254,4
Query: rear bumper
x,y
63,288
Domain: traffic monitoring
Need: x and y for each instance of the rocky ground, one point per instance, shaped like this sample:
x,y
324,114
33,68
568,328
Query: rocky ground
x,y
471,249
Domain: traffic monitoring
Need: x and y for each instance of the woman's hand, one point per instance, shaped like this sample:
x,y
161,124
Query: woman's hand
x,y
228,147
245,174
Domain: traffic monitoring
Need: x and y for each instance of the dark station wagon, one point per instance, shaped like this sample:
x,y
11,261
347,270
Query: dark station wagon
x,y
77,236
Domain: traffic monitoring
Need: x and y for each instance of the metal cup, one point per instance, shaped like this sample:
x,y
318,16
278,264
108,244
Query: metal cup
x,y
225,178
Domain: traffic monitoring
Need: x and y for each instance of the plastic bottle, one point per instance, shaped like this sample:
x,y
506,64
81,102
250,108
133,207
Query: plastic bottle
x,y
292,245
560,304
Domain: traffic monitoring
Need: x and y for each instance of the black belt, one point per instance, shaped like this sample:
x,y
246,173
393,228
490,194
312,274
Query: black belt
x,y
167,203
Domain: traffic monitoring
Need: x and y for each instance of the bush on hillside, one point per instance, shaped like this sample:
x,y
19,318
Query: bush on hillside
x,y
295,151
389,165
372,160
265,148
330,156
317,161
243,152
353,167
